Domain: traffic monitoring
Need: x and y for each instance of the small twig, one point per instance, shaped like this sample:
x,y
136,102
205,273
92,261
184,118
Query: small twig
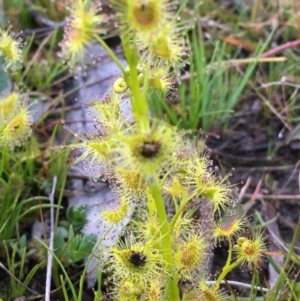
x,y
272,108
243,159
36,55
276,241
275,196
16,279
65,109
270,213
281,48
253,197
50,256
265,168
244,189
240,284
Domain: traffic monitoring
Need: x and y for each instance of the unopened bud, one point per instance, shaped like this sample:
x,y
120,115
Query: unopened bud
x,y
120,85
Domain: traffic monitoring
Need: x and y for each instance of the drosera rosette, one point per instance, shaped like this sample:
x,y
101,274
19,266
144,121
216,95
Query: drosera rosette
x,y
106,113
173,186
114,215
136,260
128,182
148,163
97,152
84,22
231,225
212,292
160,78
148,151
8,105
11,49
128,290
107,219
15,130
207,183
182,156
98,146
168,46
250,251
146,17
191,251
154,290
193,162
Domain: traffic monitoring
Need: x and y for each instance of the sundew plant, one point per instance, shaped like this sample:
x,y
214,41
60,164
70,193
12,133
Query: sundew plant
x,y
156,171
160,175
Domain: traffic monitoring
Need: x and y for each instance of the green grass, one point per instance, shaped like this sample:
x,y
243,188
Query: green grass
x,y
212,89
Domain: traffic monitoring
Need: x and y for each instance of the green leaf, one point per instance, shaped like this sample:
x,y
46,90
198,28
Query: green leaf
x,y
80,247
59,238
76,216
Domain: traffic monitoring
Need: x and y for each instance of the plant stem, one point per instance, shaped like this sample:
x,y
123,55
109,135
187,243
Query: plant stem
x,y
225,271
152,210
110,53
166,248
138,100
183,203
228,267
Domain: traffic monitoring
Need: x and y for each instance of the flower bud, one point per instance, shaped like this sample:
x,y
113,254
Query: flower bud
x,y
120,85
